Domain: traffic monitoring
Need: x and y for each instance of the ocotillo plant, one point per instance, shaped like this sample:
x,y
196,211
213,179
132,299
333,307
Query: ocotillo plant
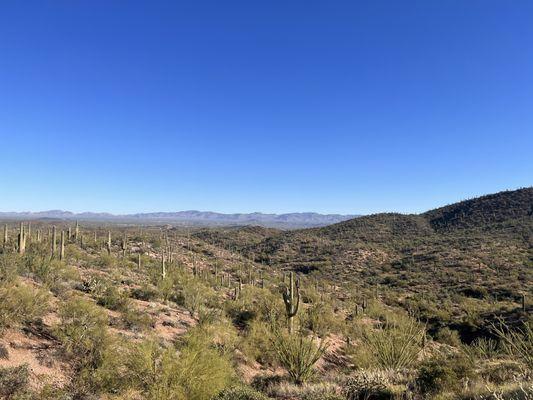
x,y
54,241
291,298
62,246
22,239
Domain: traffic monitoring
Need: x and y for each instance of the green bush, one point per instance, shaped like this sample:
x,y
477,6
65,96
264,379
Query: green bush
x,y
83,332
257,343
112,298
135,320
443,374
21,304
196,371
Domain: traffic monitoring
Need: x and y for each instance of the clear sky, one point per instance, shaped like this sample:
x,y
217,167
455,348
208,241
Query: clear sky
x,y
274,106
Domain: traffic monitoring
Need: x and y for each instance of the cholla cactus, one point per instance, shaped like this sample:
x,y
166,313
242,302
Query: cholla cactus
x,y
291,298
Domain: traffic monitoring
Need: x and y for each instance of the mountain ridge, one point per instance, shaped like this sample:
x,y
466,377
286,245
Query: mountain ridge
x,y
195,217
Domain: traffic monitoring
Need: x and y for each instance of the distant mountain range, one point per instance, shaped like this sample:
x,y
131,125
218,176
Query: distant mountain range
x,y
201,218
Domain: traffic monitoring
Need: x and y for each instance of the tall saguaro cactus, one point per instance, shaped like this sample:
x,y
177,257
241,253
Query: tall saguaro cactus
x,y
109,242
163,266
62,246
76,232
22,239
5,235
124,245
291,298
54,240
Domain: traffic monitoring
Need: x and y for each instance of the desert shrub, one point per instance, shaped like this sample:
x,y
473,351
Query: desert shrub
x,y
396,344
367,385
112,298
196,372
517,343
444,374
217,332
21,304
82,332
8,268
135,320
240,393
447,336
500,372
106,260
304,391
319,317
255,304
297,354
257,343
13,381
144,293
195,295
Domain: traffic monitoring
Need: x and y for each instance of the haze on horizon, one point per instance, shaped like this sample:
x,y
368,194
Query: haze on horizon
x,y
279,107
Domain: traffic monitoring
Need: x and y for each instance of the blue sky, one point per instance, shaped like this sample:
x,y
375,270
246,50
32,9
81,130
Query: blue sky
x,y
274,106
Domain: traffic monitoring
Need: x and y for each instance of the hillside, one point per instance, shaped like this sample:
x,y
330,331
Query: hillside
x,y
386,304
474,243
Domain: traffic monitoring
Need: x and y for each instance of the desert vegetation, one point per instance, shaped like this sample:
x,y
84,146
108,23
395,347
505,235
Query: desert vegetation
x,y
379,307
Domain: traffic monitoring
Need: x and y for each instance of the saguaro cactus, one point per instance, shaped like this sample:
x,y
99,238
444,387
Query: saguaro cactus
x,y
5,234
76,231
62,246
163,266
109,242
54,240
22,239
28,234
124,245
139,258
291,298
